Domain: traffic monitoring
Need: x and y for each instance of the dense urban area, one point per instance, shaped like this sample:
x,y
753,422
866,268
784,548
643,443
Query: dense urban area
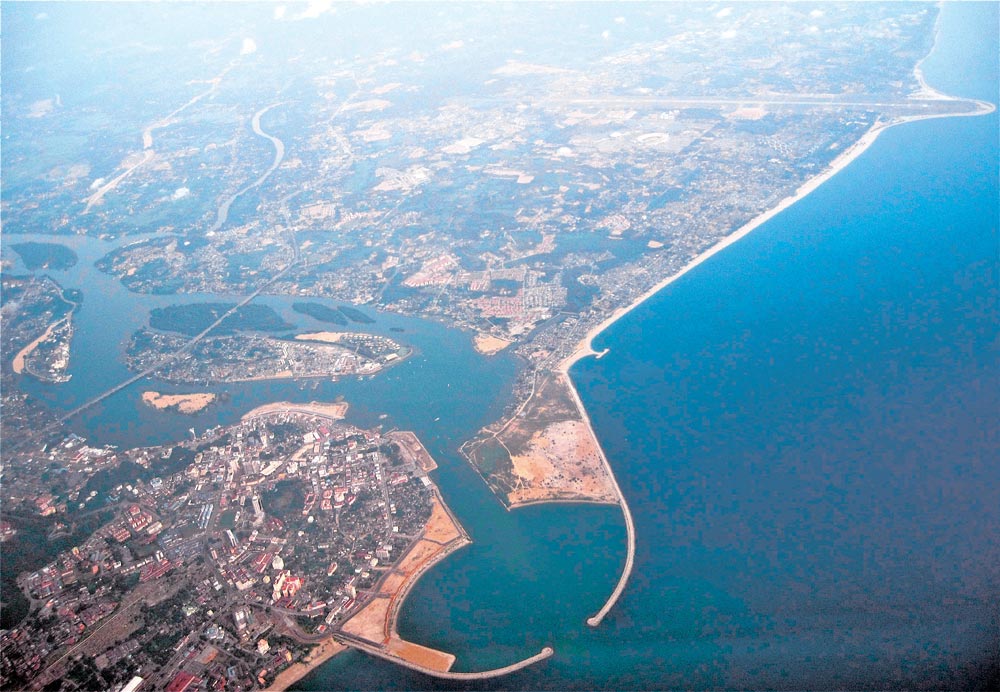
x,y
222,559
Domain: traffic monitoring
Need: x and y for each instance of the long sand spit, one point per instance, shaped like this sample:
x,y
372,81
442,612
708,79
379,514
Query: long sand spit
x,y
586,348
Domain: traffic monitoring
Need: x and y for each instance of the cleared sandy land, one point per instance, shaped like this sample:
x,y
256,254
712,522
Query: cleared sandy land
x,y
367,106
327,337
561,461
335,410
462,146
185,403
371,622
440,526
280,375
422,655
552,449
18,364
320,654
376,622
376,133
488,344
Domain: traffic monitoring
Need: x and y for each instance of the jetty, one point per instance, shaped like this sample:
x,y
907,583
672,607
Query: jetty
x,y
367,647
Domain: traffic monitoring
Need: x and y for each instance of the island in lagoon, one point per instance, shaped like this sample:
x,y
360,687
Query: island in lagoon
x,y
183,403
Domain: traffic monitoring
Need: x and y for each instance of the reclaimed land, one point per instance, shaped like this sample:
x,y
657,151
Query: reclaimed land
x,y
184,403
336,411
373,628
487,344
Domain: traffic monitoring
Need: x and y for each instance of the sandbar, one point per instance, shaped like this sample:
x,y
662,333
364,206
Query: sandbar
x,y
185,403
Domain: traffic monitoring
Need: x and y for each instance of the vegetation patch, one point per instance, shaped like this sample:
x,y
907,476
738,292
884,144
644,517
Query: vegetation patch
x,y
45,255
355,315
320,312
195,318
285,501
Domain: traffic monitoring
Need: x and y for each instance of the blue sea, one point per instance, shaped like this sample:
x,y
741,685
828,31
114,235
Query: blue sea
x,y
805,428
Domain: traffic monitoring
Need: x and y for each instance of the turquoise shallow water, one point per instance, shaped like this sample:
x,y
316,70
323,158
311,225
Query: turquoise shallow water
x,y
805,430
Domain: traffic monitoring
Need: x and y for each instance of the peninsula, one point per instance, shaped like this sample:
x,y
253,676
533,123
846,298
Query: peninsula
x,y
271,544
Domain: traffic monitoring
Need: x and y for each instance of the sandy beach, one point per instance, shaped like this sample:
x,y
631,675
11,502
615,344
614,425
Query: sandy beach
x,y
585,348
838,164
322,653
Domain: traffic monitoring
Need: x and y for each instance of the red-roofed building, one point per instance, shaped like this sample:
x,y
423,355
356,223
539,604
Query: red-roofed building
x,y
181,682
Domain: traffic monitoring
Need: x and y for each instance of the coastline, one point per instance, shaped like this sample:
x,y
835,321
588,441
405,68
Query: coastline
x,y
373,626
322,653
585,347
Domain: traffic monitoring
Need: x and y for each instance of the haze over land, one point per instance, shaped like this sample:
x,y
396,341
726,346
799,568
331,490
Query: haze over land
x,y
267,189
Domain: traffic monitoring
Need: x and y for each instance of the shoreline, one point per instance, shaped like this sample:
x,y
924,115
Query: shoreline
x,y
18,363
322,653
585,347
844,159
399,598
373,627
335,411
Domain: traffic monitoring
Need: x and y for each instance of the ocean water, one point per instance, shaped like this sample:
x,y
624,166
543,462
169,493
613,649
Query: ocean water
x,y
805,429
